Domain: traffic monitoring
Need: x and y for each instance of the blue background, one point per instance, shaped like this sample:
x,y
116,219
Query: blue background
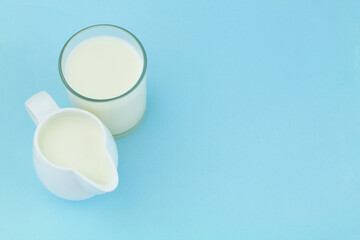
x,y
252,128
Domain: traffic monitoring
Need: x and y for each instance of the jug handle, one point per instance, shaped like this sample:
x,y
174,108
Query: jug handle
x,y
40,106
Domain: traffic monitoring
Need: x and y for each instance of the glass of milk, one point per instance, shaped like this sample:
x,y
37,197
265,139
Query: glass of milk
x,y
103,68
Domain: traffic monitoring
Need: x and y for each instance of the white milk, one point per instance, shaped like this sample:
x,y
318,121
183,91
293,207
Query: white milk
x,y
76,142
103,67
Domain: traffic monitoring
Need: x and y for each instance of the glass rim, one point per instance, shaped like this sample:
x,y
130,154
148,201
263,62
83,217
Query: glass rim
x,y
142,76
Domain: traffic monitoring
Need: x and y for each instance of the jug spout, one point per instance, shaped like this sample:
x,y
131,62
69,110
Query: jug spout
x,y
95,188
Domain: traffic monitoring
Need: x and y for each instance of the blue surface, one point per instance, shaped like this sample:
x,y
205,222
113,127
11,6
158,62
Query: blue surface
x,y
252,128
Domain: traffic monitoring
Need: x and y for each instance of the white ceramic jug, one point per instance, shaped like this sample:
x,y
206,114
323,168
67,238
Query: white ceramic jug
x,y
65,182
